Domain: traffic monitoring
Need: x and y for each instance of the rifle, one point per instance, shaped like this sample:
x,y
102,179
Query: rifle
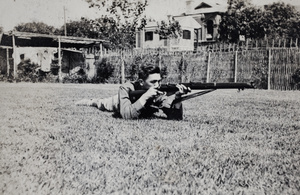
x,y
205,87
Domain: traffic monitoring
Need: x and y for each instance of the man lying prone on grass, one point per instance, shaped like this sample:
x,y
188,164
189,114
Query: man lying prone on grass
x,y
150,102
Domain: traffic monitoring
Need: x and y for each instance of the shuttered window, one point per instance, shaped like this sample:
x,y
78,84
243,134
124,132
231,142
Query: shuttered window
x,y
186,34
148,36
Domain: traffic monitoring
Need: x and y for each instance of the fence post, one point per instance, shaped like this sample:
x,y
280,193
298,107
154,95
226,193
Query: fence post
x,y
208,67
59,60
122,69
235,66
182,68
101,50
15,57
7,62
159,60
269,69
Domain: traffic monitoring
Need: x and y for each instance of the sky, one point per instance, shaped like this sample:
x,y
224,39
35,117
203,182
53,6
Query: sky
x,y
51,12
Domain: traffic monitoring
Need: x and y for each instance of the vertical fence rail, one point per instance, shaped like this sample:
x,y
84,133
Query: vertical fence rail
x,y
15,56
235,66
7,62
269,69
122,69
284,66
208,68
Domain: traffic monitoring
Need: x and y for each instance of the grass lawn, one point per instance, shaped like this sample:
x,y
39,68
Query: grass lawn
x,y
228,143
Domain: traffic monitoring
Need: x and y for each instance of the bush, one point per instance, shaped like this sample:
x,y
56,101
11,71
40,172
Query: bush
x,y
31,72
296,78
27,71
104,71
260,76
77,75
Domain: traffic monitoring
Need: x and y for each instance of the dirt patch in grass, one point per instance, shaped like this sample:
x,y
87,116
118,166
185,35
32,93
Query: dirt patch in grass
x,y
228,143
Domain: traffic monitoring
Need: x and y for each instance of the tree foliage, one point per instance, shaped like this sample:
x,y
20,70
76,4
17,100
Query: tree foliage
x,y
275,20
279,19
36,27
80,28
121,21
172,29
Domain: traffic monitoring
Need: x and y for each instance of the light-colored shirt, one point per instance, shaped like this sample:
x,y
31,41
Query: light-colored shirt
x,y
133,110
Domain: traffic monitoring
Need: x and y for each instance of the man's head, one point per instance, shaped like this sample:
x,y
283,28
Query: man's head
x,y
149,76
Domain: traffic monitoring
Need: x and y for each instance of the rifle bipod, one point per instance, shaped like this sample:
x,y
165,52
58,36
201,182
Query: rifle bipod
x,y
187,97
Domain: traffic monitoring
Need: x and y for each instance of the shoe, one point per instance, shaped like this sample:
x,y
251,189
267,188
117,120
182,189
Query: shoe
x,y
84,102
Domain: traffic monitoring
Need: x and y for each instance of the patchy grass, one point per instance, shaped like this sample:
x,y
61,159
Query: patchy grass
x,y
228,143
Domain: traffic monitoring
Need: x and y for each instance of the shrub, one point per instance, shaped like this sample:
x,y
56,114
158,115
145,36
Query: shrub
x,y
260,76
296,78
77,75
31,72
104,70
28,71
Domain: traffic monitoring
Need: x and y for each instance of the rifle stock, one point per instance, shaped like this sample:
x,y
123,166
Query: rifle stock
x,y
135,95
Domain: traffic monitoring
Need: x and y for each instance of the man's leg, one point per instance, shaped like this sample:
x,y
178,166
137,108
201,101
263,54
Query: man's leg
x,y
87,102
106,104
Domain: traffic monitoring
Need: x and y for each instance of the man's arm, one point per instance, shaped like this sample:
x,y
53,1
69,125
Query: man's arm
x,y
132,110
173,108
127,109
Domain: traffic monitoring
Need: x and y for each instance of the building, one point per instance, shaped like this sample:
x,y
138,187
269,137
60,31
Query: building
x,y
52,53
199,23
148,39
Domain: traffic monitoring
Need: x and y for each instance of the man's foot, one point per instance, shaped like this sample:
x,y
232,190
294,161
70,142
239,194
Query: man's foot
x,y
85,102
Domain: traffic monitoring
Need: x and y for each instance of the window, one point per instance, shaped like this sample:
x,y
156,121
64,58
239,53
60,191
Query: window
x,y
210,29
148,36
138,44
186,34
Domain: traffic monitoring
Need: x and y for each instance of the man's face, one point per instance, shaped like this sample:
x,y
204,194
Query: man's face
x,y
153,80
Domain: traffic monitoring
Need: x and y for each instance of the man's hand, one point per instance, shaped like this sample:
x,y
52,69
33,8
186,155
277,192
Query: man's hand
x,y
182,90
150,93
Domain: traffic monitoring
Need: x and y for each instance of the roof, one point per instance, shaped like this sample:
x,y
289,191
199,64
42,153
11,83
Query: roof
x,y
151,26
26,39
203,7
188,22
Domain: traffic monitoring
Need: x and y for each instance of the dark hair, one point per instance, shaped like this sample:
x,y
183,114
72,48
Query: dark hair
x,y
146,70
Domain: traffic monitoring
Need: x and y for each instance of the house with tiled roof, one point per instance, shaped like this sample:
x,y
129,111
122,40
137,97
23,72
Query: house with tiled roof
x,y
148,39
199,24
208,15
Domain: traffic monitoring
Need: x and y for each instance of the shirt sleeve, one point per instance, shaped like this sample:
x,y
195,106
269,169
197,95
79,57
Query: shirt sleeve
x,y
127,109
172,110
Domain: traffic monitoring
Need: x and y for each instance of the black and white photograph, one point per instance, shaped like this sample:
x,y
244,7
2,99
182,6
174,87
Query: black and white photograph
x,y
143,97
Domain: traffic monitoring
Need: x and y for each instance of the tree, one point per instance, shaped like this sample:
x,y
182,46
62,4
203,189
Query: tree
x,y
278,19
241,18
36,27
172,29
275,20
234,5
82,28
294,27
121,21
1,29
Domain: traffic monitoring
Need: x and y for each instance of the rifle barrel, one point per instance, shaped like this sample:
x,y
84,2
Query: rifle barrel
x,y
134,95
172,87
